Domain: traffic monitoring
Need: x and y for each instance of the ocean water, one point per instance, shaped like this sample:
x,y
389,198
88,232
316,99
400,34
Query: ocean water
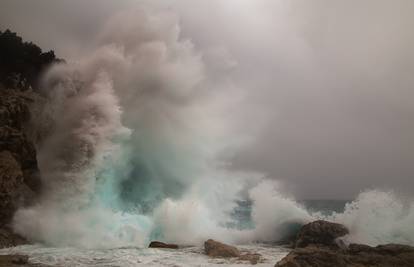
x,y
186,256
132,256
373,218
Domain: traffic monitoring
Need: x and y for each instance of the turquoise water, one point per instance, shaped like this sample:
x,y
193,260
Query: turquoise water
x,y
189,256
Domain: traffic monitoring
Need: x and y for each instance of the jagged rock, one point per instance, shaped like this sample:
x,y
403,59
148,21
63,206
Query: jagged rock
x,y
356,256
20,182
11,181
217,249
19,177
312,256
315,247
12,191
14,109
158,244
320,233
19,174
14,114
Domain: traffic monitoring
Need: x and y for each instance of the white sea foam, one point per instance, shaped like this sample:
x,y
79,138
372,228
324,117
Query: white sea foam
x,y
126,257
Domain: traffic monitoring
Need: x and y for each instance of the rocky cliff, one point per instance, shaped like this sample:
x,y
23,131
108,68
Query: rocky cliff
x,y
19,174
21,64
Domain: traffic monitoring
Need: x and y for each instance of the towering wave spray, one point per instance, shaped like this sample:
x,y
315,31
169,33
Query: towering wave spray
x,y
132,144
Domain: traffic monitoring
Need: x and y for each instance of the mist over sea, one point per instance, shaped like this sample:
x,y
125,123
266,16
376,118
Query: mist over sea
x,y
187,256
151,129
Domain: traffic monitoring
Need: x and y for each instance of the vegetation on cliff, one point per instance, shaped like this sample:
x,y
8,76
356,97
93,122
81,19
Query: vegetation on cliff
x,y
21,63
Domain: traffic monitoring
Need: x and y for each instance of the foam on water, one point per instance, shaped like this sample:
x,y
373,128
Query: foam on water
x,y
125,257
377,217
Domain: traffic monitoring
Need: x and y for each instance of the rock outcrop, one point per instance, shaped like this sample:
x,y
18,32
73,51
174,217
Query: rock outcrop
x,y
220,250
355,256
158,244
320,232
253,258
10,239
21,67
18,261
19,174
316,247
217,249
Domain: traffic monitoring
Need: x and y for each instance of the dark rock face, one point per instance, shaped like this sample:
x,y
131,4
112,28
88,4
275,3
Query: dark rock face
x,y
10,239
11,181
220,250
14,114
19,174
21,64
158,244
315,247
320,232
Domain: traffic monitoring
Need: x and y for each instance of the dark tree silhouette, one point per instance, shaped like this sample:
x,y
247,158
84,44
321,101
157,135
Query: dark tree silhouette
x,y
21,62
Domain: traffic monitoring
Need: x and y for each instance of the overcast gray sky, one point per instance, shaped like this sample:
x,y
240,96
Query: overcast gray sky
x,y
331,81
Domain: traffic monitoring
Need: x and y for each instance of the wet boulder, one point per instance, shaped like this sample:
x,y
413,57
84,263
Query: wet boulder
x,y
320,233
253,258
158,244
357,255
220,250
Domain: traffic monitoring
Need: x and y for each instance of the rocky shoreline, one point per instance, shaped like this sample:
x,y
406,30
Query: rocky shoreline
x,y
318,244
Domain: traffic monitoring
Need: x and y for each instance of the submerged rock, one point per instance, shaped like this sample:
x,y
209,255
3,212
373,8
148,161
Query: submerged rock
x,y
220,250
320,233
158,244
